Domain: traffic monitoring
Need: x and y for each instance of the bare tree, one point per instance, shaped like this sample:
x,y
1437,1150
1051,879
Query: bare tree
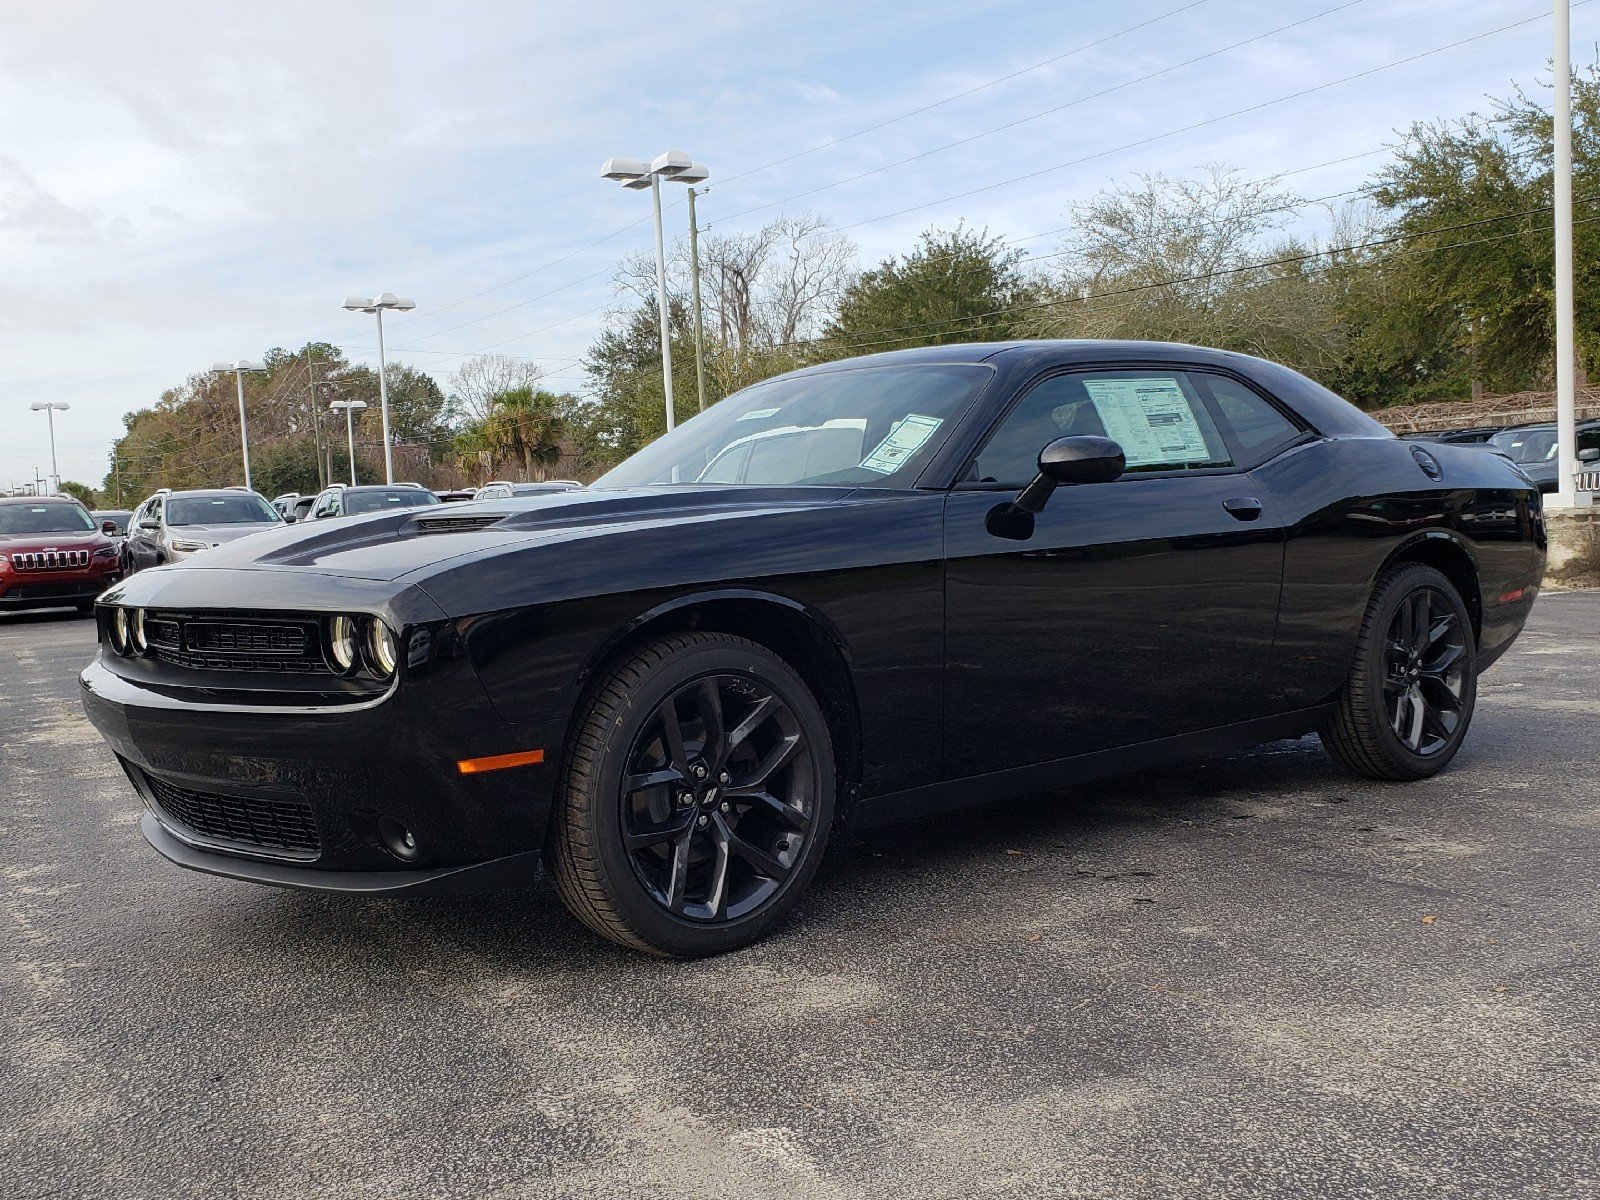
x,y
479,380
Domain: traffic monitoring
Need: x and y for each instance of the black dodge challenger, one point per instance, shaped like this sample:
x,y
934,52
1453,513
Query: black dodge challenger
x,y
863,590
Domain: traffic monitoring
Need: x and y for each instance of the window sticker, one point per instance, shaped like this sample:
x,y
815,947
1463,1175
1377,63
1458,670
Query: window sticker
x,y
905,439
1151,419
759,414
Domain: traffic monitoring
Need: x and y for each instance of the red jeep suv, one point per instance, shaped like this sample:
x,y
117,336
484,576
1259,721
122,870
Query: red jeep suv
x,y
52,554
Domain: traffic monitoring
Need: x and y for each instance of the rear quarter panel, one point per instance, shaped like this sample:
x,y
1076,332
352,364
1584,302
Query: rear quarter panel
x,y
1352,505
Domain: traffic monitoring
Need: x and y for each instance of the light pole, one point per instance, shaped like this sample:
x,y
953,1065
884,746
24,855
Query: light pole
x,y
633,173
350,407
376,306
238,369
1566,367
50,408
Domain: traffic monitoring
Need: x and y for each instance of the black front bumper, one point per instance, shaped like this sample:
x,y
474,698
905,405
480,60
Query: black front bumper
x,y
30,593
516,870
346,772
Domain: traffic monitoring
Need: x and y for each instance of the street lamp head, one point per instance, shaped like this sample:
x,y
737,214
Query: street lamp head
x,y
670,164
341,405
381,301
58,405
222,368
694,173
640,184
244,364
623,169
249,364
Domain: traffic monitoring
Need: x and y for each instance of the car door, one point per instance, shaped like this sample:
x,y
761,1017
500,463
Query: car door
x,y
1133,610
142,541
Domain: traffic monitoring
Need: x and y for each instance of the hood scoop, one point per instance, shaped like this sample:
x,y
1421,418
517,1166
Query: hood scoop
x,y
456,524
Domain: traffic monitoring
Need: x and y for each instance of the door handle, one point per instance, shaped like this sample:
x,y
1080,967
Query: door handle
x,y
1243,508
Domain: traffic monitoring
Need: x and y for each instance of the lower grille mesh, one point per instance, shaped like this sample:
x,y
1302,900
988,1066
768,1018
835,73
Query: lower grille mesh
x,y
246,821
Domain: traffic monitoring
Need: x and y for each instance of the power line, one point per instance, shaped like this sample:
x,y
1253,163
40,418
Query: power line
x,y
1045,113
1158,137
916,112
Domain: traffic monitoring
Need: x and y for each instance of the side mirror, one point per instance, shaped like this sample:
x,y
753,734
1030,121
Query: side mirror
x,y
109,527
1081,459
1590,455
289,518
149,523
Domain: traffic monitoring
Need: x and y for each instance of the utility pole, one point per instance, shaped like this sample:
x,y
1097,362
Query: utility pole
x,y
694,282
1566,348
316,423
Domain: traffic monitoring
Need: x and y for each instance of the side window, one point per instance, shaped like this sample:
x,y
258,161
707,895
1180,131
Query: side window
x,y
1157,418
154,512
1257,427
327,506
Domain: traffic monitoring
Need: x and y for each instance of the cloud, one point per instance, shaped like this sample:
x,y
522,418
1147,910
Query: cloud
x,y
817,93
29,213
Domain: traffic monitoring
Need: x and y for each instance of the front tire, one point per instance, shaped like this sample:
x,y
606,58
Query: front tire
x,y
697,799
1410,694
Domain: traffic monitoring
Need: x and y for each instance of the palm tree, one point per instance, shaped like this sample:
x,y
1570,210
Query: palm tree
x,y
528,424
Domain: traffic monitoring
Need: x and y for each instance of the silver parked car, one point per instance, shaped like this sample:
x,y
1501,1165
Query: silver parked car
x,y
172,526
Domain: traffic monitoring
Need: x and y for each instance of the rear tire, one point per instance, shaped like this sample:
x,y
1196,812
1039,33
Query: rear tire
x,y
1409,698
697,797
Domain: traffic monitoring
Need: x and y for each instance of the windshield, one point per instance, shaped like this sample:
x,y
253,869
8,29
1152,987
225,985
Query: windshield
x,y
243,508
861,427
1527,446
44,518
371,502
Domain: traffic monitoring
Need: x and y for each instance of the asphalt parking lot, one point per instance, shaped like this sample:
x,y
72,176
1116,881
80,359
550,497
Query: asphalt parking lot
x,y
1249,977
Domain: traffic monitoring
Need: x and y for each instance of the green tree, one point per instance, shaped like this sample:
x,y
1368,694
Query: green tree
x,y
955,286
81,492
527,424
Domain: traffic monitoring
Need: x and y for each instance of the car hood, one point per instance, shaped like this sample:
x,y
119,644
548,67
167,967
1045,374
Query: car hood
x,y
52,541
218,534
390,545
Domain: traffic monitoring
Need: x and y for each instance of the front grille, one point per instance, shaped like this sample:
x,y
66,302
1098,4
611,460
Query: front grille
x,y
50,560
237,644
245,821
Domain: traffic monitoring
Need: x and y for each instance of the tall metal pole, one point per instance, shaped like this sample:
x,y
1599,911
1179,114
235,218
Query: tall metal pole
x,y
1566,349
383,403
244,428
350,436
55,473
661,300
694,283
316,424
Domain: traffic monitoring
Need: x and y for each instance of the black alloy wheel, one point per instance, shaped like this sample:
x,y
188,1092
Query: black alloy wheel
x,y
697,799
1425,655
1410,694
718,798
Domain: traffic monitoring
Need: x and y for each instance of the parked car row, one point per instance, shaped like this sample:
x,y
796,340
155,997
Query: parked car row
x,y
1533,447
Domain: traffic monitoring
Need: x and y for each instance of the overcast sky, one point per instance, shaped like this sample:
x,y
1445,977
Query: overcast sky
x,y
187,182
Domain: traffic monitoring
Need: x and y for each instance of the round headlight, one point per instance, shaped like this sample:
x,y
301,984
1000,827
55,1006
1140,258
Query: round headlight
x,y
382,654
342,643
119,630
136,637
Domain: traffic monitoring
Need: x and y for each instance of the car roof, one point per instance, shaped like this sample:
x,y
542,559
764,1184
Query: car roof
x,y
39,500
222,491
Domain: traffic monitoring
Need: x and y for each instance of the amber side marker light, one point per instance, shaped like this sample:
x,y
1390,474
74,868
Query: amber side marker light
x,y
499,762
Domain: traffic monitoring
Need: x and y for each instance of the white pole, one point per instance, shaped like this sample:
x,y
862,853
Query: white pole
x,y
244,428
1566,382
383,401
55,472
661,300
699,337
350,439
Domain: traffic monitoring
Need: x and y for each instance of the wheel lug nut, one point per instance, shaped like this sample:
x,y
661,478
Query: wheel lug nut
x,y
685,799
724,806
699,772
702,820
724,779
